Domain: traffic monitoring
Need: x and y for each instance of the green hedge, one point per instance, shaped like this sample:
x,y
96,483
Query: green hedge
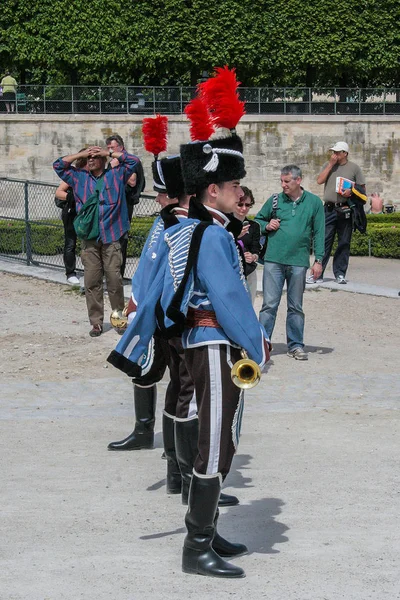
x,y
383,236
392,218
12,237
138,233
384,241
48,237
45,238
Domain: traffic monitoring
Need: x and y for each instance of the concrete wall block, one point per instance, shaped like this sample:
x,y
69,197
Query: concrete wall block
x,y
30,143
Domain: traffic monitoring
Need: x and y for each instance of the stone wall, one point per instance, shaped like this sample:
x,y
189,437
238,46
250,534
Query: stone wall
x,y
30,143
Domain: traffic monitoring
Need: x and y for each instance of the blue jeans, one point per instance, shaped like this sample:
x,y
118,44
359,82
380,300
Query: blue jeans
x,y
274,278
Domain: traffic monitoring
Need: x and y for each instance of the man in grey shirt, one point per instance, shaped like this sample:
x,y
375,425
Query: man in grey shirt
x,y
338,217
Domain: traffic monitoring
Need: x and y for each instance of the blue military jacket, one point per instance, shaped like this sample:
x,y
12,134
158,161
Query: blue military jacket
x,y
216,283
142,276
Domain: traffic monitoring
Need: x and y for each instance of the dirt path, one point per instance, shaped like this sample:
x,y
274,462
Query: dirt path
x,y
316,471
45,332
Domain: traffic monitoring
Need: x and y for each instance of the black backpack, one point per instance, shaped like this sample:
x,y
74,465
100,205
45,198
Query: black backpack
x,y
264,238
133,193
67,205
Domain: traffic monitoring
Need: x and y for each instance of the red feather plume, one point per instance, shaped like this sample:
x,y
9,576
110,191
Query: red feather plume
x,y
155,131
201,127
222,98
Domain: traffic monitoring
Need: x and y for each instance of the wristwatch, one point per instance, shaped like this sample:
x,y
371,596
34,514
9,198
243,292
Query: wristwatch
x,y
110,153
318,261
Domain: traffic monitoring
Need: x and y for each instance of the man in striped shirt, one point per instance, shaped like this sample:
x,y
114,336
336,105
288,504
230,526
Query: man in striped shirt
x,y
101,257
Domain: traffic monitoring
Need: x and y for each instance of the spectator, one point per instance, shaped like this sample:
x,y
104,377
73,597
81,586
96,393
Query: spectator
x,y
249,239
101,256
376,203
65,194
9,86
389,207
338,215
298,218
134,187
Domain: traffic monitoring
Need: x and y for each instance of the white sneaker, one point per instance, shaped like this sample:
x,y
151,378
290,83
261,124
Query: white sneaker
x,y
298,354
73,280
341,279
310,280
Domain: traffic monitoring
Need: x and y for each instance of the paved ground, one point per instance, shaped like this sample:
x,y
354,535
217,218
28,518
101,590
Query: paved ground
x,y
376,276
316,473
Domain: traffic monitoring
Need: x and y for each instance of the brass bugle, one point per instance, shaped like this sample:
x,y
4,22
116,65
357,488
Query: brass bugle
x,y
245,373
119,319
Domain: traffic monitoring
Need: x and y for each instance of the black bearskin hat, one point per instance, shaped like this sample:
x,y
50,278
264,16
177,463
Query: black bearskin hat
x,y
171,167
213,161
167,176
158,178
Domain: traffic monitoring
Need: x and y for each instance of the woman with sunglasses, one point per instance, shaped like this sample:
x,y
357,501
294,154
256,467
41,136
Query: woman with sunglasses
x,y
249,240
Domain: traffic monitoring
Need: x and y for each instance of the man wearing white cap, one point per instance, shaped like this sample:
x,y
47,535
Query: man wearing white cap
x,y
338,175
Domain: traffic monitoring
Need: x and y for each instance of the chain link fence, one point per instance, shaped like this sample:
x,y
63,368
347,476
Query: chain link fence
x,y
31,229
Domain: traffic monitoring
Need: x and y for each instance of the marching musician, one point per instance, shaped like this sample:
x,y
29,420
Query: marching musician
x,y
180,422
198,286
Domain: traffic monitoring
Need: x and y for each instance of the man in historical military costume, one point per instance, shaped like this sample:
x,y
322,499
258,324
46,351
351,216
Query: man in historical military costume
x,y
198,287
180,411
145,395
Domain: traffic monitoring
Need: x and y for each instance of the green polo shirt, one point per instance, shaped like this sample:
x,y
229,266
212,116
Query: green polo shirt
x,y
300,222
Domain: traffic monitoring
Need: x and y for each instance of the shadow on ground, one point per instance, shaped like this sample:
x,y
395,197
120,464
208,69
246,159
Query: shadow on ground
x,y
259,529
282,349
235,478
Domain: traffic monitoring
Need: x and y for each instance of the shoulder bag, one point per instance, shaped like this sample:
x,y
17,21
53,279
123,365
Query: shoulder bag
x,y
86,222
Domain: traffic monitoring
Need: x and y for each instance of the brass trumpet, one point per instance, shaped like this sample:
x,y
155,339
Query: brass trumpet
x,y
119,319
245,373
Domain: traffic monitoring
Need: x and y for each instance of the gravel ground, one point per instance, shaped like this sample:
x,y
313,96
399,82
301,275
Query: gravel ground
x,y
316,472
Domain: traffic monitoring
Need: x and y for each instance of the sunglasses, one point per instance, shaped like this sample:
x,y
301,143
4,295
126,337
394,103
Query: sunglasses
x,y
241,204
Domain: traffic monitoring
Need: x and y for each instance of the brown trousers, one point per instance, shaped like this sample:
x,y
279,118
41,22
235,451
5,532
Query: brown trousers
x,y
102,260
180,399
219,406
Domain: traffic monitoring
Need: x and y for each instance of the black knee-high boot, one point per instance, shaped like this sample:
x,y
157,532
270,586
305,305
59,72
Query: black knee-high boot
x,y
186,434
142,437
174,480
223,547
198,555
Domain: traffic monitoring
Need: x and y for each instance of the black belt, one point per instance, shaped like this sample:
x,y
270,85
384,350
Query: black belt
x,y
333,204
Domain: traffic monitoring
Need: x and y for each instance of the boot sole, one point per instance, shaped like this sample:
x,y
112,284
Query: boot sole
x,y
130,449
191,566
223,505
226,576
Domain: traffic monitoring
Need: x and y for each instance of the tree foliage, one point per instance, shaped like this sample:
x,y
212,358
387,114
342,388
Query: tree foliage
x,y
271,42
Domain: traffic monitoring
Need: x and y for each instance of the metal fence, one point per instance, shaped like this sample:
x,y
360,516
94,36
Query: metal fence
x,y
120,99
31,229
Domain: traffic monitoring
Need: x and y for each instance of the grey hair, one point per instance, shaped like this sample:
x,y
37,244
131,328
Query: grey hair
x,y
292,170
115,138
